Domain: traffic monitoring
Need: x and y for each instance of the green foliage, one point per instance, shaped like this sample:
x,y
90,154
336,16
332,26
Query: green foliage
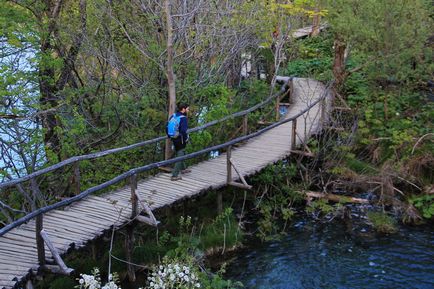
x,y
382,222
425,204
312,57
276,202
216,281
391,34
321,206
58,283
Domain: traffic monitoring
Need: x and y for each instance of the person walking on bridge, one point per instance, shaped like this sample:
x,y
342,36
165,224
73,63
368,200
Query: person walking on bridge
x,y
177,131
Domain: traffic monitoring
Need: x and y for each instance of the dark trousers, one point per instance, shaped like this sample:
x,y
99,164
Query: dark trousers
x,y
179,152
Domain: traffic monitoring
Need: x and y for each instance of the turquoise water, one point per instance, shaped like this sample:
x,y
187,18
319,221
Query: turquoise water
x,y
332,255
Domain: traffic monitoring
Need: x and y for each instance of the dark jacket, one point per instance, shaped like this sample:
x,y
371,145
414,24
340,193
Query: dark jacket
x,y
181,141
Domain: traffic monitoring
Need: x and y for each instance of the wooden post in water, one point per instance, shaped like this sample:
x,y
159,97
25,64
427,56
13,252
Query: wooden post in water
x,y
39,241
294,134
77,177
129,238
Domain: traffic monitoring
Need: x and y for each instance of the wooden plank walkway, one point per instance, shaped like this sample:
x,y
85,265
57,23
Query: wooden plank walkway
x,y
89,218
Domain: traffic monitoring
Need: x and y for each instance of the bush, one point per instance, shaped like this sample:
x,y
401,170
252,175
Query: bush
x,y
382,222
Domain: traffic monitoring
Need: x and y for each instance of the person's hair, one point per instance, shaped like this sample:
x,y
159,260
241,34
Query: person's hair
x,y
182,105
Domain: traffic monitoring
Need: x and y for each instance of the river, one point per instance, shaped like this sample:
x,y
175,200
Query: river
x,y
330,255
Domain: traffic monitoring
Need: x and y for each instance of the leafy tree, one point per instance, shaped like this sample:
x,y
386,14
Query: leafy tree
x,y
391,35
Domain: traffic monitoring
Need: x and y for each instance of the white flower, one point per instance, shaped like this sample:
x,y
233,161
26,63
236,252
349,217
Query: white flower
x,y
181,275
186,278
197,285
172,277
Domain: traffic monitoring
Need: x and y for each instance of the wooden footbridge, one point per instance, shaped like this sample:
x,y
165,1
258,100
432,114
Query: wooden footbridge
x,y
37,240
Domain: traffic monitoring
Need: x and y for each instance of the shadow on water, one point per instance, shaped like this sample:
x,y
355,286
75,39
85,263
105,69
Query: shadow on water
x,y
317,255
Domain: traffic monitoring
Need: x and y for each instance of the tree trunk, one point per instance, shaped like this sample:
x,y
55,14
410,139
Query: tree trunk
x,y
315,23
49,96
170,73
50,89
339,71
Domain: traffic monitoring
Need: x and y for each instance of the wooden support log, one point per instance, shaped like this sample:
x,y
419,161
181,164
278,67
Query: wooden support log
x,y
294,134
151,220
63,268
336,198
303,153
239,174
147,220
39,241
129,247
55,269
240,185
129,236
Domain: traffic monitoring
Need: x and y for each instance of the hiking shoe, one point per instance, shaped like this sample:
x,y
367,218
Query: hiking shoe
x,y
177,178
186,171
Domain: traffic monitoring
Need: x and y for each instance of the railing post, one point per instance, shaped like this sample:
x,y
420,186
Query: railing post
x,y
134,204
77,177
228,179
276,108
39,240
129,237
245,123
228,164
294,134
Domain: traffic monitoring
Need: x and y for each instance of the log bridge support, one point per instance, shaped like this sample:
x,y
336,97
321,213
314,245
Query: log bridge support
x,y
43,239
136,215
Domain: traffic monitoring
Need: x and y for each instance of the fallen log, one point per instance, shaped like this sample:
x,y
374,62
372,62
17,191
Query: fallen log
x,y
335,198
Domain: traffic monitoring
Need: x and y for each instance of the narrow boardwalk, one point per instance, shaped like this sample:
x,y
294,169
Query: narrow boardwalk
x,y
89,218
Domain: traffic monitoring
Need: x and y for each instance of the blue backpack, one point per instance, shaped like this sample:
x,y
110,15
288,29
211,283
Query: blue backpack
x,y
173,125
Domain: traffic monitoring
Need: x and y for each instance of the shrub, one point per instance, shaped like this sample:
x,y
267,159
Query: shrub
x,y
382,222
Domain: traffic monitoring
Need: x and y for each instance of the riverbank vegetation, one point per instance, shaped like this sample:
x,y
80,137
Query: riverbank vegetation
x,y
83,76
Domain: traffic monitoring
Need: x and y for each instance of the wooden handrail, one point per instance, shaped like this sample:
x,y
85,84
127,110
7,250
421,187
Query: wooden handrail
x,y
148,167
77,159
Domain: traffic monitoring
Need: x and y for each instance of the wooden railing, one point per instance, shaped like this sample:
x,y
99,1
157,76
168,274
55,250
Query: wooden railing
x,y
76,159
42,238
